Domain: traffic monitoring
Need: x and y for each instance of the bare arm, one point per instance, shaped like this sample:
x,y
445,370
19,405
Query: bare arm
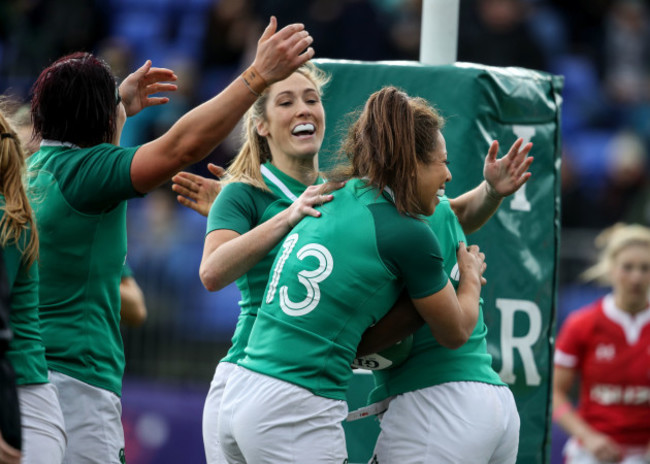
x,y
452,315
228,255
600,445
196,134
133,310
401,321
8,454
503,177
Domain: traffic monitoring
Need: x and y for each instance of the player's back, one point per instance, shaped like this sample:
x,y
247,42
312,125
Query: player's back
x,y
328,284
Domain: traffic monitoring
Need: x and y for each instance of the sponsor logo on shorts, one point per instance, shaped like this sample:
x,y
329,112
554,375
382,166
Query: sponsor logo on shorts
x,y
122,456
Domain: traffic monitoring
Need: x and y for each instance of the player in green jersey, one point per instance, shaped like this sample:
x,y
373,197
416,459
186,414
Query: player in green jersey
x,y
43,436
269,186
81,181
337,275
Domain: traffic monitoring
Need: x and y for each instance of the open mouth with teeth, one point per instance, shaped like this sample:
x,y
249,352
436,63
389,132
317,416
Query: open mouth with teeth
x,y
440,192
302,130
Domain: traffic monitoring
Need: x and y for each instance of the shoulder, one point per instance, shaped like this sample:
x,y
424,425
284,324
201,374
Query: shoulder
x,y
582,320
242,192
243,188
586,314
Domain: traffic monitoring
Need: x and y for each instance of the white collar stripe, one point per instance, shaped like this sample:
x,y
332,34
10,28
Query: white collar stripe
x,y
266,172
631,325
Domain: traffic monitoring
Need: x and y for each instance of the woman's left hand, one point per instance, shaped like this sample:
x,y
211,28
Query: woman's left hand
x,y
506,175
305,204
136,89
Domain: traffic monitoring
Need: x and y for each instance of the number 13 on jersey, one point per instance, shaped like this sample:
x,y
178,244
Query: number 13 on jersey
x,y
308,278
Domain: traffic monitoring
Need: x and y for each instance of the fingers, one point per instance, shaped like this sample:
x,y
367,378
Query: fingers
x,y
216,171
160,87
493,151
184,191
523,167
304,57
160,74
521,154
153,101
186,180
514,149
300,42
270,29
289,31
188,203
142,70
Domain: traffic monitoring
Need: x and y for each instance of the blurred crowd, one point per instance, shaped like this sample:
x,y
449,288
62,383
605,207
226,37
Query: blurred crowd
x,y
601,47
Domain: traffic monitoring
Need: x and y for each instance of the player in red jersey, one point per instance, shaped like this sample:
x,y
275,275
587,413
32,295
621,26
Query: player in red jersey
x,y
607,346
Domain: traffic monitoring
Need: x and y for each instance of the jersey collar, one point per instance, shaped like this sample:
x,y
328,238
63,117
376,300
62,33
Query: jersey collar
x,y
282,184
631,325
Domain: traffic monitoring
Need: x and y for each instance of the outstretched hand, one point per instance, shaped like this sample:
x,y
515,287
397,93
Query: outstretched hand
x,y
280,53
136,89
507,174
198,192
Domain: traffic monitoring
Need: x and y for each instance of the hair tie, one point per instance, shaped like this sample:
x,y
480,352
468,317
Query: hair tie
x,y
4,135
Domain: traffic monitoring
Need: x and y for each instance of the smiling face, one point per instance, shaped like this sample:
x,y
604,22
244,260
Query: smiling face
x,y
294,125
432,176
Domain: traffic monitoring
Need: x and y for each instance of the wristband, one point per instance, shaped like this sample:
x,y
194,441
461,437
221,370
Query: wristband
x,y
561,411
254,81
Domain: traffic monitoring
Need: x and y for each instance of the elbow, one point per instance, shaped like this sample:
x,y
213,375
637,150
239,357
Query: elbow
x,y
453,340
137,318
210,280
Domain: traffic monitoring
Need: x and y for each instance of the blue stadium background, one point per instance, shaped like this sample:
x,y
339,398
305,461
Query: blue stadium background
x,y
602,48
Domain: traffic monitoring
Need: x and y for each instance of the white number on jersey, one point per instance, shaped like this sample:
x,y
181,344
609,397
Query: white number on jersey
x,y
308,278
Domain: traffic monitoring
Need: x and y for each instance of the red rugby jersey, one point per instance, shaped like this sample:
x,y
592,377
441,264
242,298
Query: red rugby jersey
x,y
610,351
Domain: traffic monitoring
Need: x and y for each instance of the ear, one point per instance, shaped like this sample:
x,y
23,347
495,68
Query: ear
x,y
262,128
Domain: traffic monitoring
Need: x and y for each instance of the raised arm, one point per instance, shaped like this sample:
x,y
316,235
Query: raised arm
x,y
195,134
502,176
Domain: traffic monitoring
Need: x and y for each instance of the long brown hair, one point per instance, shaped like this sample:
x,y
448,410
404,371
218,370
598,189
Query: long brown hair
x,y
384,145
18,214
245,167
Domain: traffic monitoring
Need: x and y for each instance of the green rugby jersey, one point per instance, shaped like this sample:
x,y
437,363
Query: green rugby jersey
x,y
429,362
334,277
241,207
26,351
78,196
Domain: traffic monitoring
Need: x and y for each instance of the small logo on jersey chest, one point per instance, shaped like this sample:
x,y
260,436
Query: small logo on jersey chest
x,y
605,352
